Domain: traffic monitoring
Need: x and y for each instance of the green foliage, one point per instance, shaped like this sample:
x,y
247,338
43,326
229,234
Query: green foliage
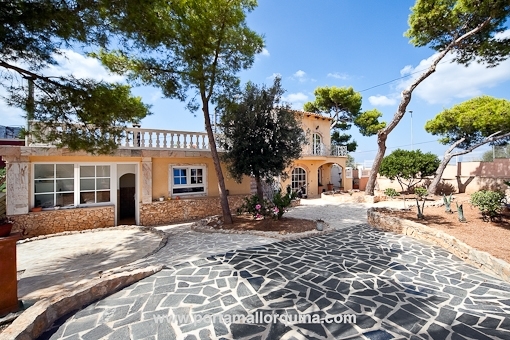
x,y
268,209
390,192
488,202
2,180
498,152
344,104
351,162
420,193
32,34
439,24
260,136
408,165
368,122
473,120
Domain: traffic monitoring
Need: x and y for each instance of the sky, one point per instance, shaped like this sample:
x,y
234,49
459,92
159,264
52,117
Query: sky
x,y
332,43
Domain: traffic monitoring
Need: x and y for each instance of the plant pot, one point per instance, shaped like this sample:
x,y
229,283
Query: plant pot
x,y
5,229
330,187
320,225
161,199
36,209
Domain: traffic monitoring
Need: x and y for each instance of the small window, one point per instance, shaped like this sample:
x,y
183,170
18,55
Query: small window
x,y
188,180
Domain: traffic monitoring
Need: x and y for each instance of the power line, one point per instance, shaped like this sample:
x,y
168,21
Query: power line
x,y
403,77
394,147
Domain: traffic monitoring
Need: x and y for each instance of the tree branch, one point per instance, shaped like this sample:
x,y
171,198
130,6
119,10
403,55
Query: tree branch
x,y
26,73
492,138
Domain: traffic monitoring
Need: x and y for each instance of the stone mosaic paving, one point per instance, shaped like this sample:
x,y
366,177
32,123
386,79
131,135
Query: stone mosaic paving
x,y
397,288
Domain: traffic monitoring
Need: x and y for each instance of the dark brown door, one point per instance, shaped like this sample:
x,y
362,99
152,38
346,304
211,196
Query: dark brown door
x,y
127,202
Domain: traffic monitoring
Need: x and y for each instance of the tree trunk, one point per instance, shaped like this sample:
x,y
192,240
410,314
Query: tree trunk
x,y
381,142
439,173
227,216
260,192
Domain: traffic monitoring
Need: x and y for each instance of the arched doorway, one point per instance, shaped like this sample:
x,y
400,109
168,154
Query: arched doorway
x,y
127,190
298,181
337,176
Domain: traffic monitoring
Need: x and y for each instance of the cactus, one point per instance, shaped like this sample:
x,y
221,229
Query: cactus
x,y
447,203
460,211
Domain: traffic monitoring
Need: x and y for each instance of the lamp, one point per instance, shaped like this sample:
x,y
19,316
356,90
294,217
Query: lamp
x,y
317,128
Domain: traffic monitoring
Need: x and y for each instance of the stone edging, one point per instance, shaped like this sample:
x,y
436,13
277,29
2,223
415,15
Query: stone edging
x,y
202,226
473,256
38,318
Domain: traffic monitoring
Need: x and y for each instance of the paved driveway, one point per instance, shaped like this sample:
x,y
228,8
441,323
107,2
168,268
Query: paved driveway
x,y
395,286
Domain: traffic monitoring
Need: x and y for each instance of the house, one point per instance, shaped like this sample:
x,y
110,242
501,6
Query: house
x,y
155,177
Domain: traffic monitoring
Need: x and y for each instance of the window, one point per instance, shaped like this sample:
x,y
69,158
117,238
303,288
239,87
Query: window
x,y
299,180
53,185
71,184
94,184
187,180
317,144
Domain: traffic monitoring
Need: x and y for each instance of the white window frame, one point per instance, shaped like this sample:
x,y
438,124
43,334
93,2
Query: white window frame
x,y
95,178
188,168
76,189
295,183
317,145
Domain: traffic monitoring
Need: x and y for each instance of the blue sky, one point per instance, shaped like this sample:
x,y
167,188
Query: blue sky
x,y
340,43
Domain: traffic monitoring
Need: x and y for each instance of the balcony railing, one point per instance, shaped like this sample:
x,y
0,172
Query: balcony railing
x,y
322,149
137,138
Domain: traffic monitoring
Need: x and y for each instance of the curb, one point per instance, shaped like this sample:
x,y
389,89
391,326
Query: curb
x,y
473,256
38,318
202,227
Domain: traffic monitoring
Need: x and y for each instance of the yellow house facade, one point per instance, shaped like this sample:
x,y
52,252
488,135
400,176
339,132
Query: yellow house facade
x,y
154,177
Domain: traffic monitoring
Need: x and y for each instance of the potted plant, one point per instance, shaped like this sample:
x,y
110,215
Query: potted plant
x,y
5,226
320,224
330,186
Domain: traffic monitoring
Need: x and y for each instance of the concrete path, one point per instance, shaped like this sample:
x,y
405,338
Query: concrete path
x,y
396,287
56,264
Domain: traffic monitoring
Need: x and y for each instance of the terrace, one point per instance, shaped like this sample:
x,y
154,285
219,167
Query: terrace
x,y
155,139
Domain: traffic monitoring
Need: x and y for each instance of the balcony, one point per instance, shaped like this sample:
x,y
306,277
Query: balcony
x,y
154,139
323,150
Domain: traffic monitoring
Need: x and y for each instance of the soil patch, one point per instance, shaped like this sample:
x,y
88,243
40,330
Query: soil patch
x,y
485,236
285,224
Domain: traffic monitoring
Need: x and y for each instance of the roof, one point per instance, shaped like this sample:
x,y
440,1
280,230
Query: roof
x,y
312,114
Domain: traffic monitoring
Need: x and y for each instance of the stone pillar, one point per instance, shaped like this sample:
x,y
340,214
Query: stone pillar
x,y
146,179
18,185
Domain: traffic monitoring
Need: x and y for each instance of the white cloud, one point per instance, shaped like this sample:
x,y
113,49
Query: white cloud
x,y
156,95
274,75
380,100
72,63
296,100
265,52
452,80
300,74
503,35
337,75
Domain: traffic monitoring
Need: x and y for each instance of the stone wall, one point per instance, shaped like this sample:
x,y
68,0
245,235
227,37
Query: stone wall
x,y
56,221
185,210
475,257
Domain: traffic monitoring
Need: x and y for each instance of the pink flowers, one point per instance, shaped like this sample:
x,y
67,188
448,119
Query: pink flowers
x,y
276,210
258,206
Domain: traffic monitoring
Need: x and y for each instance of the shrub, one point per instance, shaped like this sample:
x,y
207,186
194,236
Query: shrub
x,y
274,209
390,192
488,202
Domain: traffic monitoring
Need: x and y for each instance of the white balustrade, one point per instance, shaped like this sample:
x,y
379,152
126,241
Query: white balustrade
x,y
139,138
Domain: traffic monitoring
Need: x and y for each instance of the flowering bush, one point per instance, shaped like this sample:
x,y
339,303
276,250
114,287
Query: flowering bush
x,y
274,209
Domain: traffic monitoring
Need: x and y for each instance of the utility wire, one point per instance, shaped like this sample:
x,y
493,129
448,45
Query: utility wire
x,y
393,147
403,77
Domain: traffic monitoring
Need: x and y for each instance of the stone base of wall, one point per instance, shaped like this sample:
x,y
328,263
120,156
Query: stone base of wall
x,y
55,221
475,257
354,198
185,210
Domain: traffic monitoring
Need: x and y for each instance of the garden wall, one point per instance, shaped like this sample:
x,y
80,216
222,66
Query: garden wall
x,y
185,210
56,221
475,257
